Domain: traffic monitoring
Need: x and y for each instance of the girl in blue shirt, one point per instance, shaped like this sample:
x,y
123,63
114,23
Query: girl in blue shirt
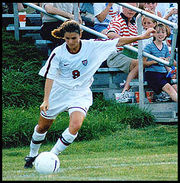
x,y
156,74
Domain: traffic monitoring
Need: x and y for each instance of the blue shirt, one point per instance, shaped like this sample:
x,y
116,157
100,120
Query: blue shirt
x,y
152,49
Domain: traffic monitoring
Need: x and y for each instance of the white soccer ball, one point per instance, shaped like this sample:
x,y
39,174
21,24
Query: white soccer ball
x,y
47,163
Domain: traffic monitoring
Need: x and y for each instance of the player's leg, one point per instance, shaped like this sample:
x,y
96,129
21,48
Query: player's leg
x,y
69,135
38,137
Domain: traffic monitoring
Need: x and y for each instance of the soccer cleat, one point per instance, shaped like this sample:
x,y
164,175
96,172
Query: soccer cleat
x,y
29,161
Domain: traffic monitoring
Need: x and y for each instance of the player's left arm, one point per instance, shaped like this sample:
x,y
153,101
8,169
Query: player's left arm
x,y
127,40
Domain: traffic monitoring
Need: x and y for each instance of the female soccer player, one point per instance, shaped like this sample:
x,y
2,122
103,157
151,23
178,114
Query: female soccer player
x,y
69,74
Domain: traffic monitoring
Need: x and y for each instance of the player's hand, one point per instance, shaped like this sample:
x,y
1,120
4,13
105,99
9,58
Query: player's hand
x,y
44,106
149,33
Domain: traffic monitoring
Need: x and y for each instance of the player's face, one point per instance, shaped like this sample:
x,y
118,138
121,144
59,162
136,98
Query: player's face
x,y
72,40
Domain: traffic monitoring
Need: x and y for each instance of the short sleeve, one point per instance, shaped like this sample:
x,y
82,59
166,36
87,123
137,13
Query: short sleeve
x,y
50,69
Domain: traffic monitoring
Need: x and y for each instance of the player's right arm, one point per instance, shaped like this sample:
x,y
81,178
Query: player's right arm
x,y
47,89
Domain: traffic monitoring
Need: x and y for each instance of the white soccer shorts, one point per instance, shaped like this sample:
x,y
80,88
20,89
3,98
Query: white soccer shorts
x,y
62,99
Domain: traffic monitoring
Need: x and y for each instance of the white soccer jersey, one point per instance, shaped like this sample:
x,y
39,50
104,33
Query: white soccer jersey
x,y
75,71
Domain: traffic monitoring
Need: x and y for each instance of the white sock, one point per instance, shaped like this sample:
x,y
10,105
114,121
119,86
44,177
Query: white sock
x,y
63,142
36,142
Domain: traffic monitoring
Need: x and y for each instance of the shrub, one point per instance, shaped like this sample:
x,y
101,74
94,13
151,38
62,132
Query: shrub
x,y
19,123
21,61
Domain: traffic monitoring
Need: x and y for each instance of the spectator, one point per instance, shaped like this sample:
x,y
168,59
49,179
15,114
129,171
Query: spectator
x,y
156,73
87,14
152,8
104,13
50,23
171,15
147,22
122,26
162,7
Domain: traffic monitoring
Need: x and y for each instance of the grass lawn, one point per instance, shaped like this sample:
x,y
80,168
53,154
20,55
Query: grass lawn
x,y
131,154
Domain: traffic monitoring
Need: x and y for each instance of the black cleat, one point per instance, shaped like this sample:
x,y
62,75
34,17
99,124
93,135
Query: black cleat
x,y
29,161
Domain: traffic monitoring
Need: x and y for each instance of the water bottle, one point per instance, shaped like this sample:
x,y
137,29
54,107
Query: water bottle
x,y
171,72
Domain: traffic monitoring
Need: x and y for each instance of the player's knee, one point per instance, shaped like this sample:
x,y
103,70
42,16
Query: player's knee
x,y
75,125
43,128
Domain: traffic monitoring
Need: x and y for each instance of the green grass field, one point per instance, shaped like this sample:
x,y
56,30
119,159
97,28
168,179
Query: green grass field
x,y
130,154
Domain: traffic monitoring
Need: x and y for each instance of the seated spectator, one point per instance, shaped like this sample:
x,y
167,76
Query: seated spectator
x,y
171,15
104,13
162,7
121,26
156,73
87,14
152,8
147,22
50,23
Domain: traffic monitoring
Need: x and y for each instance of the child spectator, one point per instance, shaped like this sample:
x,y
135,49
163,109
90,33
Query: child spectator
x,y
147,22
156,73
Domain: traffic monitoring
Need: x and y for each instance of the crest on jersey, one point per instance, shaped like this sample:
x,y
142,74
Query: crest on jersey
x,y
84,62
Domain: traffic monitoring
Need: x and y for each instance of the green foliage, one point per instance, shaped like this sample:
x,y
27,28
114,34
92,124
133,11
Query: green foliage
x,y
108,117
21,62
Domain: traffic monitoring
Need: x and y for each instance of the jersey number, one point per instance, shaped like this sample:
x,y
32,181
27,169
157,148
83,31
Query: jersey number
x,y
75,74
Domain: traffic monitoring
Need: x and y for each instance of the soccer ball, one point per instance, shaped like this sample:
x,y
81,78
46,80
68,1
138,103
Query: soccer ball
x,y
47,163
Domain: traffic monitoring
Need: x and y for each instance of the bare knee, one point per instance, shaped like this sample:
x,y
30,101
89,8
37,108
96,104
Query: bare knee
x,y
44,125
76,120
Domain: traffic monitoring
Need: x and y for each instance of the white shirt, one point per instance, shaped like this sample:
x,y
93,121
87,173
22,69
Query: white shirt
x,y
99,7
75,71
162,7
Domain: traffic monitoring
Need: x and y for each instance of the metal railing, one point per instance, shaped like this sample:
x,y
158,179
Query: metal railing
x,y
98,34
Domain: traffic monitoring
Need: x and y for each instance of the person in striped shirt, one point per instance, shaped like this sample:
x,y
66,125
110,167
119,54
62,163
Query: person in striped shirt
x,y
104,13
123,25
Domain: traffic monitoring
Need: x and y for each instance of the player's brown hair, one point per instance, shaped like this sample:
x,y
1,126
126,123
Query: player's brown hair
x,y
67,26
